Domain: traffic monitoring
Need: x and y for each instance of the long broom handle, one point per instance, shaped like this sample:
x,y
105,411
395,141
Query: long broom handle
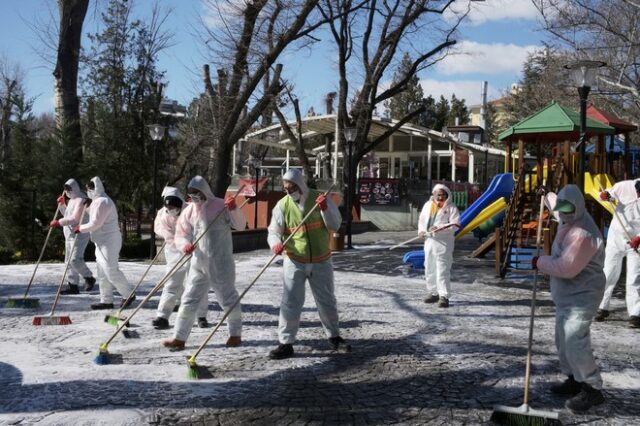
x,y
617,216
66,268
405,242
133,292
44,246
527,374
179,264
264,268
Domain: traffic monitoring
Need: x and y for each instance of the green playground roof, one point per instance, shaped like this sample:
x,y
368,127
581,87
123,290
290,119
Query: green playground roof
x,y
553,123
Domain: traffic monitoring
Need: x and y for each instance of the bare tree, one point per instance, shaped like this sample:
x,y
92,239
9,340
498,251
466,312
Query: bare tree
x,y
605,30
10,78
246,41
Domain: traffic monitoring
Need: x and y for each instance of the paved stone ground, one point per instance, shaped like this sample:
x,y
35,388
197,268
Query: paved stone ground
x,y
411,363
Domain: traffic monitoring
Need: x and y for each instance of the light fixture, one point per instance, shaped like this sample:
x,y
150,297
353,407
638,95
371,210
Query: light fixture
x,y
584,72
156,131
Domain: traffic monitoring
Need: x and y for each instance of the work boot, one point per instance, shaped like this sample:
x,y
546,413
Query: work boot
x,y
202,322
634,321
338,343
233,341
443,302
284,350
160,323
587,398
601,315
174,344
176,308
89,282
127,302
431,299
568,387
72,289
99,306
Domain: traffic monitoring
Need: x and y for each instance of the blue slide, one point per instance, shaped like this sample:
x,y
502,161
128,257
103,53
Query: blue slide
x,y
501,186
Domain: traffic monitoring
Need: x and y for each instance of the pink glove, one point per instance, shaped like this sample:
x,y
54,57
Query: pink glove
x,y
278,248
76,230
189,248
230,203
534,262
54,224
605,196
635,242
60,200
322,202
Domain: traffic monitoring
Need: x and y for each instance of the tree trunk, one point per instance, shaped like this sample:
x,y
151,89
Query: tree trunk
x,y
72,14
220,179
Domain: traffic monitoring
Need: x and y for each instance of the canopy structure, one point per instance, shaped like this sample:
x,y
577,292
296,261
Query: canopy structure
x,y
610,119
554,123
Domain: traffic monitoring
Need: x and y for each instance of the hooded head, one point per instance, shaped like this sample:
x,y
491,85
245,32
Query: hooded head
x,y
198,183
95,188
172,199
440,187
296,177
570,204
72,189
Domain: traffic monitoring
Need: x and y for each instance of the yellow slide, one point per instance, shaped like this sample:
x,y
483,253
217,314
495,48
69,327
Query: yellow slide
x,y
592,187
493,209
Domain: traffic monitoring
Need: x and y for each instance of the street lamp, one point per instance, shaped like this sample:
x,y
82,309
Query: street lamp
x,y
584,75
256,163
156,131
350,135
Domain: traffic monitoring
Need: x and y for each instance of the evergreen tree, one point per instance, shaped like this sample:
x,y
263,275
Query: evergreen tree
x,y
458,110
409,99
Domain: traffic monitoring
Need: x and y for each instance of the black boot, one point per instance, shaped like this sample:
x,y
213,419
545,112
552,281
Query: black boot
x,y
587,398
160,323
601,315
283,351
72,289
89,282
431,299
99,306
634,321
126,302
568,387
202,322
443,302
339,344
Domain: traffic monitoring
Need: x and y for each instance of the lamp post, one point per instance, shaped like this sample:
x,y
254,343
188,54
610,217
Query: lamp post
x,y
256,163
584,75
156,131
350,136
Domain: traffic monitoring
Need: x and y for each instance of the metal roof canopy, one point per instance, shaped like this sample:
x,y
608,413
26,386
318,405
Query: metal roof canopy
x,y
610,119
553,123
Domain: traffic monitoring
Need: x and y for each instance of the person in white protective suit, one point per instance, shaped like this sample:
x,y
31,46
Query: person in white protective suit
x,y
307,256
105,234
212,264
165,227
577,284
619,246
438,222
74,254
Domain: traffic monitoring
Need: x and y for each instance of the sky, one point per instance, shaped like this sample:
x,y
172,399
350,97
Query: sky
x,y
493,45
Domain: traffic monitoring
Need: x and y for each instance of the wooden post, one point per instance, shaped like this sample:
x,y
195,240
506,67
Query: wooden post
x,y
498,250
507,163
627,158
568,164
520,156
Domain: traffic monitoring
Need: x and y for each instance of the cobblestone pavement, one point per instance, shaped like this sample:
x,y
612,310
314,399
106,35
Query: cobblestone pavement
x,y
411,363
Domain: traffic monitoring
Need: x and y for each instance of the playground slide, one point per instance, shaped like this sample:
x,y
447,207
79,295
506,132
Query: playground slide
x,y
492,210
501,186
592,187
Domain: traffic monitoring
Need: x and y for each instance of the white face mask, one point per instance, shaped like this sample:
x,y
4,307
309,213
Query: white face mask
x,y
173,212
67,193
196,199
91,193
295,196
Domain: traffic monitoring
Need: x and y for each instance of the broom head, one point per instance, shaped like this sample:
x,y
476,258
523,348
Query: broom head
x,y
103,355
24,303
113,320
52,320
195,371
523,415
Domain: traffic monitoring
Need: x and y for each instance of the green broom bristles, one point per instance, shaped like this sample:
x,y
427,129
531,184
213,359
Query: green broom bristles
x,y
28,303
192,372
52,320
103,355
524,416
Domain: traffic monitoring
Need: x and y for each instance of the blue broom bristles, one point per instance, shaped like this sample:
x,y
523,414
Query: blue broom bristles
x,y
103,357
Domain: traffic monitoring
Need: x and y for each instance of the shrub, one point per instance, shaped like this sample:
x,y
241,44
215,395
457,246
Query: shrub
x,y
135,248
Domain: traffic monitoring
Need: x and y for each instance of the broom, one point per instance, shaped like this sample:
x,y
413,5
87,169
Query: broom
x,y
419,237
194,370
64,319
103,356
114,318
30,302
524,414
617,216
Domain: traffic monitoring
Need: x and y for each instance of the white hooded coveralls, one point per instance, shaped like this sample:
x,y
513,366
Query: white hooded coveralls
x,y
212,265
70,219
438,246
577,284
105,234
295,274
617,247
165,227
